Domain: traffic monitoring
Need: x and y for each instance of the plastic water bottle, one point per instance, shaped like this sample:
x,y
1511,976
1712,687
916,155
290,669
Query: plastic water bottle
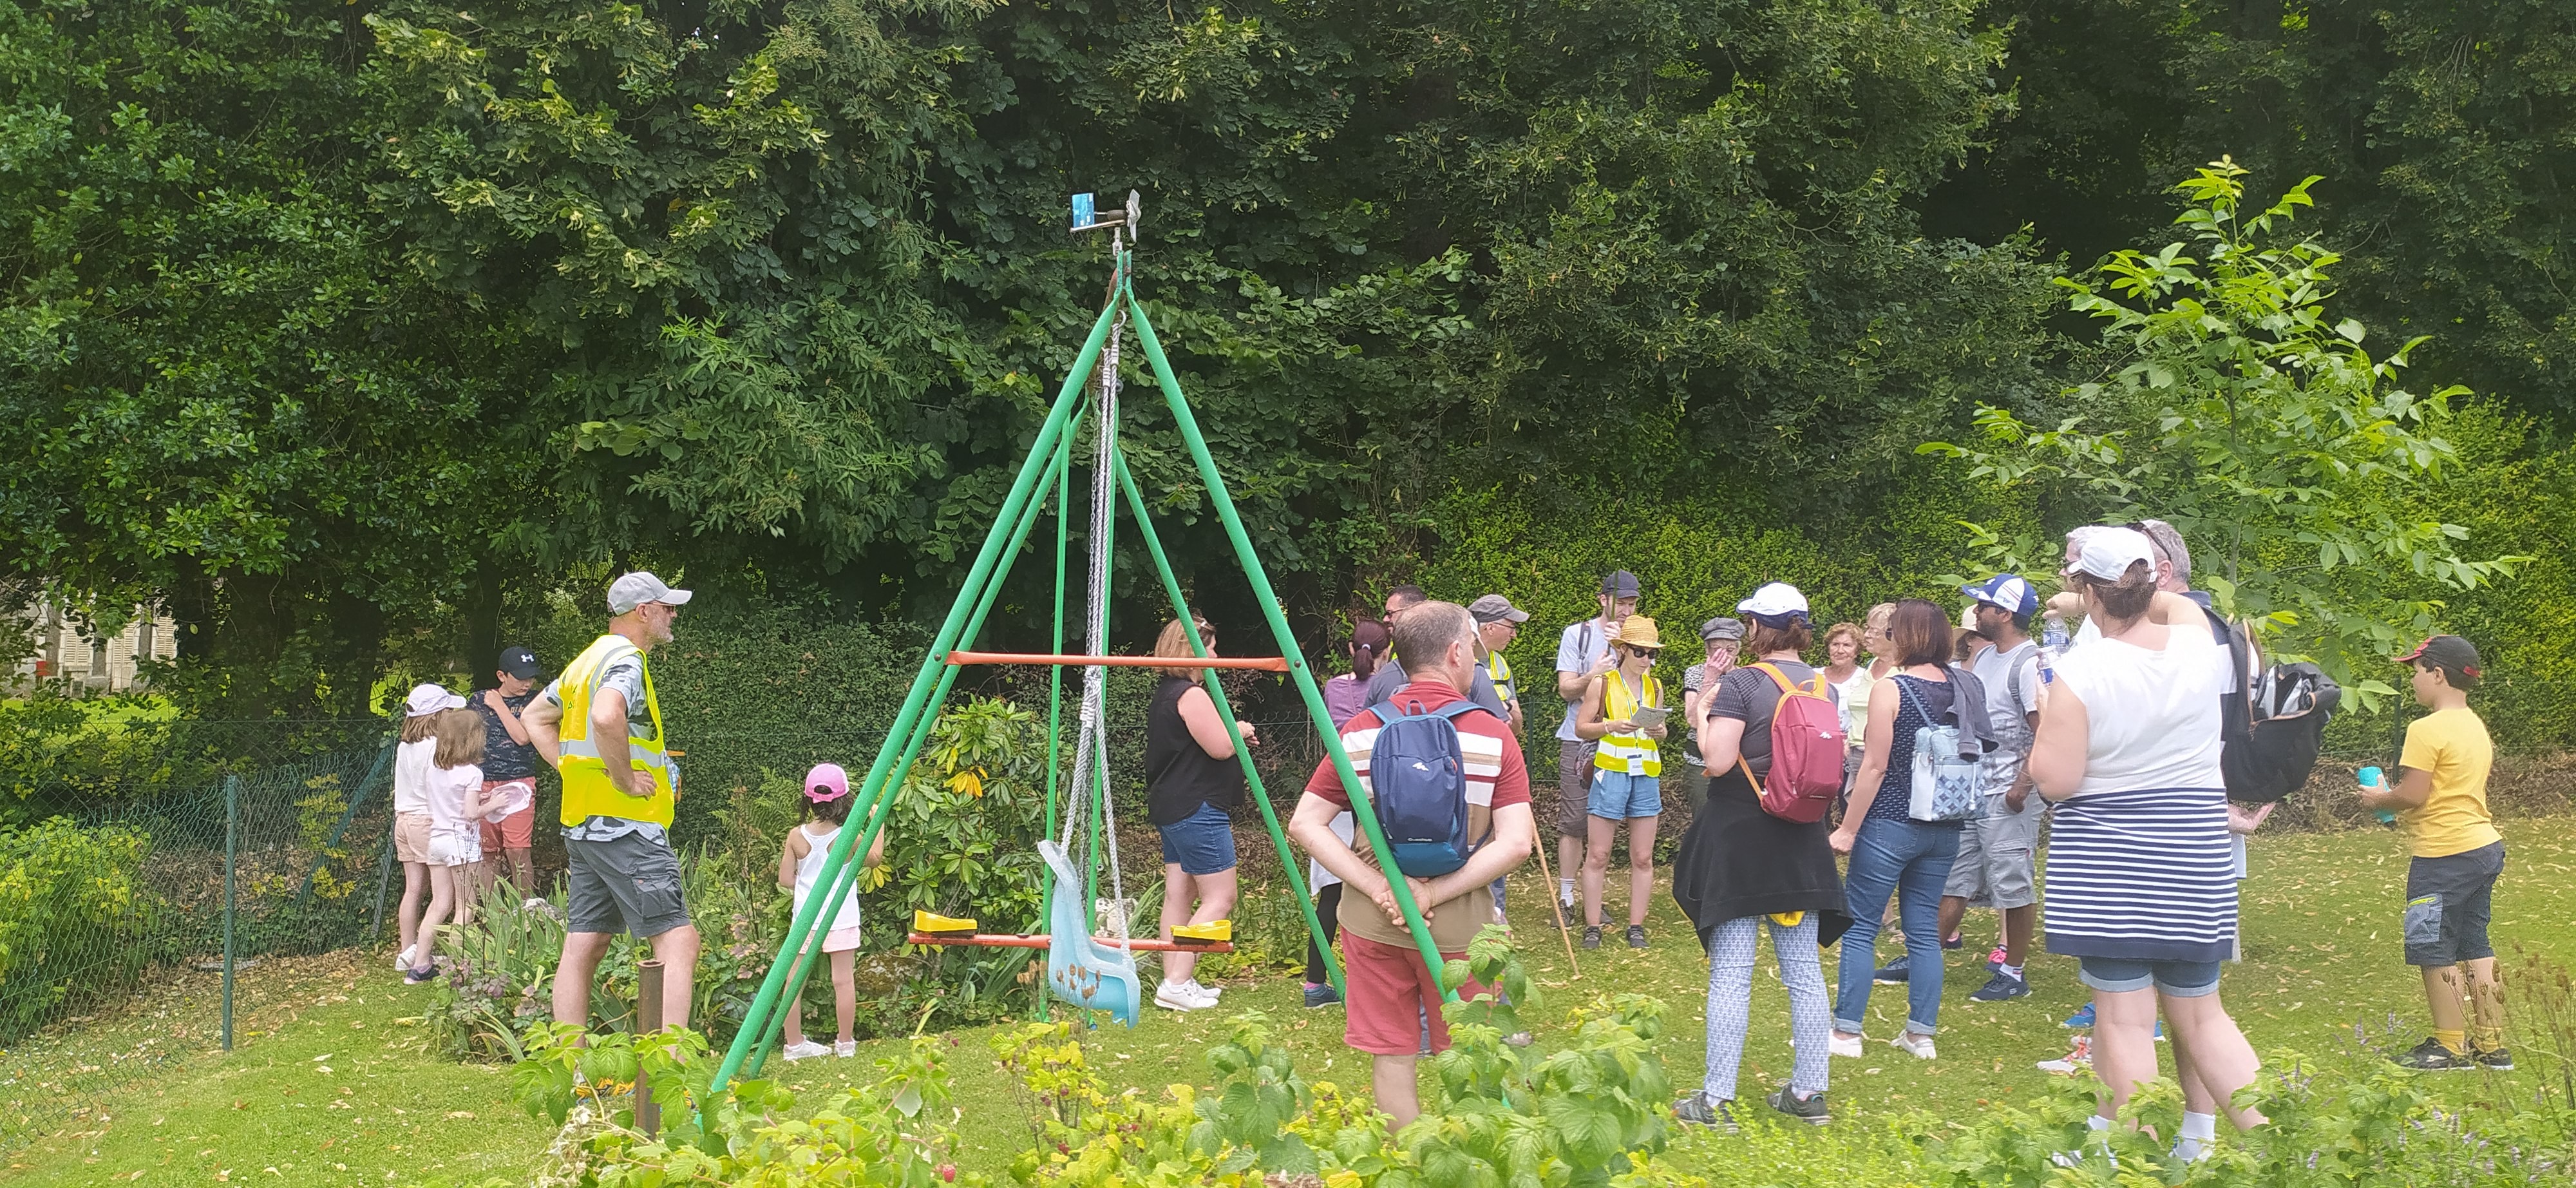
x,y
2372,777
2053,639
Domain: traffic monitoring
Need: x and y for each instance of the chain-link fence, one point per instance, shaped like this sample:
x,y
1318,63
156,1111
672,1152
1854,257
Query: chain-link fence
x,y
104,884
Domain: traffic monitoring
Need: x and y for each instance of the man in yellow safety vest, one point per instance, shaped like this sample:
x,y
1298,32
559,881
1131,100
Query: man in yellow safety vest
x,y
601,728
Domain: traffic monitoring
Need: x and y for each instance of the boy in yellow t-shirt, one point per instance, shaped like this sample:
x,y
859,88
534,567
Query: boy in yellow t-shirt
x,y
2441,800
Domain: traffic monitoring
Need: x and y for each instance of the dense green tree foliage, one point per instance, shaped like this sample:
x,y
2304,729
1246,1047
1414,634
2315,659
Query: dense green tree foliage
x,y
2440,130
347,327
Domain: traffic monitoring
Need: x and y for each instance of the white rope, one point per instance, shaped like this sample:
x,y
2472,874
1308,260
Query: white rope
x,y
1090,771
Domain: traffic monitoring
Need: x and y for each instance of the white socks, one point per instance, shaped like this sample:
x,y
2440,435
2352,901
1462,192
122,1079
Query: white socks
x,y
2199,1135
2010,971
1565,891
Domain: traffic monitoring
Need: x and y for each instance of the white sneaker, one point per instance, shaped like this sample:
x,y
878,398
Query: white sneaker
x,y
402,960
845,1048
1915,1042
1182,997
1850,1046
804,1050
1211,993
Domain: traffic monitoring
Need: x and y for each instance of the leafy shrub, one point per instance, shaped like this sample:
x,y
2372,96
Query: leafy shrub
x,y
72,917
898,1131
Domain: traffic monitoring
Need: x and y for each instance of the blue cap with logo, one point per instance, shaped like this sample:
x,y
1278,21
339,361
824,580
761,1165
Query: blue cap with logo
x,y
2005,590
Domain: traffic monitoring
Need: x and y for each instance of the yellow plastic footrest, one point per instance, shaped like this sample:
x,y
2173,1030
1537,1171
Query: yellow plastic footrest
x,y
1214,932
934,924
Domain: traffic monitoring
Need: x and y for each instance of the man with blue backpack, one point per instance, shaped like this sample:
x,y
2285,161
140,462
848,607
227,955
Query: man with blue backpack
x,y
1446,782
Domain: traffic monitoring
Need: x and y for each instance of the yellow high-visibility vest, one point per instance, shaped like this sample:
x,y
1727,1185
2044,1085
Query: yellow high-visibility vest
x,y
1634,754
1501,671
586,790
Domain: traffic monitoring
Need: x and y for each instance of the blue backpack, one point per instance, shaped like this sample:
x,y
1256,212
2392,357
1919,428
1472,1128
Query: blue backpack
x,y
1418,779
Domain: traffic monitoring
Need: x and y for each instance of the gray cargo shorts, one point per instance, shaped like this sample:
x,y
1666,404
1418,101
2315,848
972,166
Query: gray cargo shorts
x,y
1574,786
1997,855
627,884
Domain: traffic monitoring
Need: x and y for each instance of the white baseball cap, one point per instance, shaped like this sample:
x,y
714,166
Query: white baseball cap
x,y
429,699
637,588
2107,554
1773,603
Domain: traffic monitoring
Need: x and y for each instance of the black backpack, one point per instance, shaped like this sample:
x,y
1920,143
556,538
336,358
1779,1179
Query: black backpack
x,y
2272,725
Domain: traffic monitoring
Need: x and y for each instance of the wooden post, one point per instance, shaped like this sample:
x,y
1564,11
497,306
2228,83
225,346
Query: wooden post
x,y
648,1019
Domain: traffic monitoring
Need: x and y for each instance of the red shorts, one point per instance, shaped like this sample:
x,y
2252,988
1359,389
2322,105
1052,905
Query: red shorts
x,y
513,832
1388,993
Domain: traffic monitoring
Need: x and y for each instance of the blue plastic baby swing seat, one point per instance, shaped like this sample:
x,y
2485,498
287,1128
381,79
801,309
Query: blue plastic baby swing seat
x,y
1082,971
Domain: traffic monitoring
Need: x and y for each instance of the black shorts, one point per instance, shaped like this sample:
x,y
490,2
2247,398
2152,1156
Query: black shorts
x,y
628,884
2448,902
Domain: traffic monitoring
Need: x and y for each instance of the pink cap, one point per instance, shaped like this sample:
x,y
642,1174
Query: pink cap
x,y
826,782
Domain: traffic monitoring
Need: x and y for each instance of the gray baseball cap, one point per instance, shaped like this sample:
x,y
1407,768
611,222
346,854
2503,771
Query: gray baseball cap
x,y
636,589
1494,608
1621,584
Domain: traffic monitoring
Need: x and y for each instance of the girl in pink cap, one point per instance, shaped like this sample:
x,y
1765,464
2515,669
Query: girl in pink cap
x,y
827,810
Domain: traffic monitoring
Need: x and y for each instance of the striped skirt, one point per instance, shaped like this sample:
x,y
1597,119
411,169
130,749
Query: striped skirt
x,y
2146,874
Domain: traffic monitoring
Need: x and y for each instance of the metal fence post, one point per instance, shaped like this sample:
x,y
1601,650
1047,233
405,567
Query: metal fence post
x,y
232,859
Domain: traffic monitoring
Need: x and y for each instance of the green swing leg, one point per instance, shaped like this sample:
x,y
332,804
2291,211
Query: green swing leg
x,y
884,808
1224,711
1298,673
1055,679
908,718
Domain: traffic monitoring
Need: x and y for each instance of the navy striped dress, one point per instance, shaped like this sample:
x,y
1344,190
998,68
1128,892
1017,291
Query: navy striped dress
x,y
2139,861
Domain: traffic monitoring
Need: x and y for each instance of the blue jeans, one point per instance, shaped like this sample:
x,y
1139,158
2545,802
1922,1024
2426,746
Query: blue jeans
x,y
1911,860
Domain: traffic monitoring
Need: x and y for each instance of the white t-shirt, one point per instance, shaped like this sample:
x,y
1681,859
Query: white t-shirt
x,y
2153,715
2010,715
1577,650
447,789
411,775
1345,828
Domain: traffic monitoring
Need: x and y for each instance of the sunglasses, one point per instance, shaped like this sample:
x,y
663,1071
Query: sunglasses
x,y
1648,653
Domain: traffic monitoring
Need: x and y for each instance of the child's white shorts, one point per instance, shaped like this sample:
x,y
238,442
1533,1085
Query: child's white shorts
x,y
454,848
842,939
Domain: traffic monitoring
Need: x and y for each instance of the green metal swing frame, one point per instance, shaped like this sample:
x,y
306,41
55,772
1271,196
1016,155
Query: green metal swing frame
x,y
1045,470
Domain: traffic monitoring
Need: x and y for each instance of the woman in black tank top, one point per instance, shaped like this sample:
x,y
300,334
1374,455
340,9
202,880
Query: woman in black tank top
x,y
1191,777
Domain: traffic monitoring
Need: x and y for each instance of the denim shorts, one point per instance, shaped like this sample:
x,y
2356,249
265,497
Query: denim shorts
x,y
1201,843
1618,795
2173,979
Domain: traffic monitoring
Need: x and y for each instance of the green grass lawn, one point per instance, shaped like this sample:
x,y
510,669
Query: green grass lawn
x,y
330,1087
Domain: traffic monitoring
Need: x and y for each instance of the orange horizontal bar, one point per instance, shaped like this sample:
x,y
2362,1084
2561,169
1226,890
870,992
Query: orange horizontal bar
x,y
1268,663
1013,940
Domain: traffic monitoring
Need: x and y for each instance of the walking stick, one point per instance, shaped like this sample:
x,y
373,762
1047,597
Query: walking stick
x,y
1558,908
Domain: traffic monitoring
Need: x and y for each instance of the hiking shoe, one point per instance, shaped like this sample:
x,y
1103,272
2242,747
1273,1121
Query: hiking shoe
x,y
2001,987
2499,1059
1811,1111
804,1050
1916,1043
1842,1045
1698,1110
2081,1018
2432,1056
1322,994
1636,936
1894,973
415,977
1592,936
2077,1058
1995,959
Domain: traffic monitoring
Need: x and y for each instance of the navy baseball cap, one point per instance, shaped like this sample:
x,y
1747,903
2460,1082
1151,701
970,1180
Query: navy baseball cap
x,y
2007,591
520,663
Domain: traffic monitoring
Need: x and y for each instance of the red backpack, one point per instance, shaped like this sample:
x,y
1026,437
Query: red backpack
x,y
1807,744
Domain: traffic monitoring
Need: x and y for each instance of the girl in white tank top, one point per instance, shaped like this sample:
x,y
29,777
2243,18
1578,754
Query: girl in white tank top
x,y
800,867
